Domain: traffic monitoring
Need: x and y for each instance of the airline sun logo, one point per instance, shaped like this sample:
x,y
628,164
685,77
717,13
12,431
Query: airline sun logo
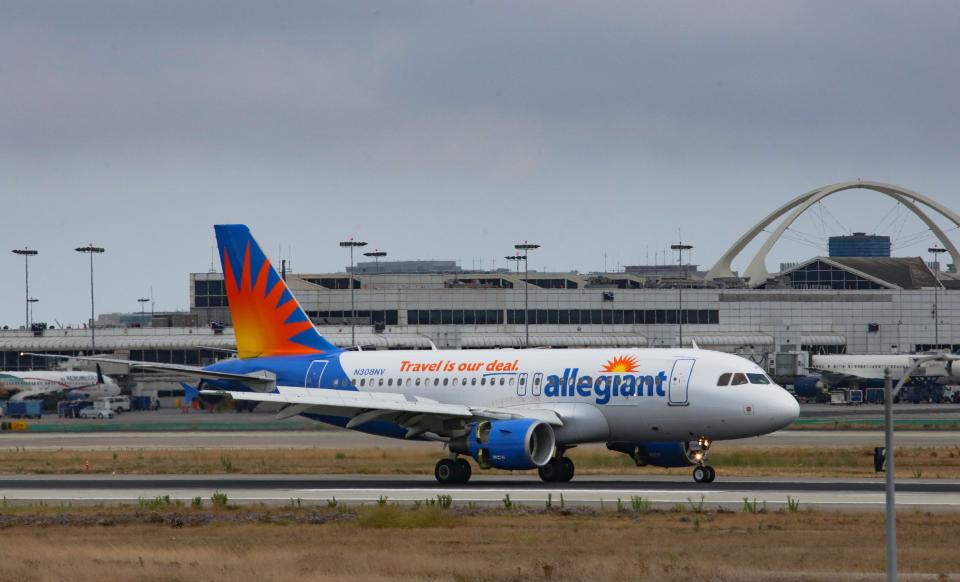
x,y
266,317
619,378
621,364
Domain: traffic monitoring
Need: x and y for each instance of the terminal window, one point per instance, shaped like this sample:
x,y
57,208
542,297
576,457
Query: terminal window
x,y
209,294
820,275
363,317
563,316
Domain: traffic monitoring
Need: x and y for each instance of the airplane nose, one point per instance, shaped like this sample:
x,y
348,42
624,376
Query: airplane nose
x,y
785,410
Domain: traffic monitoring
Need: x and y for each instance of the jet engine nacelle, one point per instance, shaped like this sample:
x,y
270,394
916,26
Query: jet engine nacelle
x,y
508,444
659,454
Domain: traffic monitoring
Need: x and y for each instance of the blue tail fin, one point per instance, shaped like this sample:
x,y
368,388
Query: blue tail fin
x,y
267,319
191,393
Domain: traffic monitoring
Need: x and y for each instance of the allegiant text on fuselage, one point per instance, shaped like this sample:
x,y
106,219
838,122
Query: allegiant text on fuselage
x,y
603,387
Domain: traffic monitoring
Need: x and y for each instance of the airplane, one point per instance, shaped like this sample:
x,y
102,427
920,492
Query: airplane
x,y
73,384
505,409
867,371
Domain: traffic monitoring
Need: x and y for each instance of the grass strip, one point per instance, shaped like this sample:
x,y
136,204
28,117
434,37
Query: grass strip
x,y
916,462
171,542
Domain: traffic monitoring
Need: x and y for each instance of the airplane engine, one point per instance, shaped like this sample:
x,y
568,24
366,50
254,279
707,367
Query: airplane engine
x,y
659,454
808,387
508,444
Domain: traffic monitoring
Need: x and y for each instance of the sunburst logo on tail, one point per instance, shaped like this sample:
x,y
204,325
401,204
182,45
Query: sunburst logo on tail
x,y
266,320
621,364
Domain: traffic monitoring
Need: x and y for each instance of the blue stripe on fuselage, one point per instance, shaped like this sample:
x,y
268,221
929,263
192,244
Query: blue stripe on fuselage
x,y
289,370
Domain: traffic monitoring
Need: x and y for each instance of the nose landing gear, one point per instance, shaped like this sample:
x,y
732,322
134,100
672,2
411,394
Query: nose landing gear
x,y
703,473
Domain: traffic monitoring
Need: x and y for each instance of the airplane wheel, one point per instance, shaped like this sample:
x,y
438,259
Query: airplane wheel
x,y
446,471
711,474
464,470
700,474
551,472
567,470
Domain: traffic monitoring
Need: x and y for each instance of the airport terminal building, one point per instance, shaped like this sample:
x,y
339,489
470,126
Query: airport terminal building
x,y
823,305
859,301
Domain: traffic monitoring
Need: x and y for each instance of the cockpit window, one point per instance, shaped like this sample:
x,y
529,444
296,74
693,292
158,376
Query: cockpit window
x,y
724,379
758,378
739,379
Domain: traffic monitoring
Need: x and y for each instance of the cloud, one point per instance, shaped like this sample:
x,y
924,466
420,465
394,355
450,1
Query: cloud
x,y
592,127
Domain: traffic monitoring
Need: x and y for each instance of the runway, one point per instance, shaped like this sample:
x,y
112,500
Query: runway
x,y
664,492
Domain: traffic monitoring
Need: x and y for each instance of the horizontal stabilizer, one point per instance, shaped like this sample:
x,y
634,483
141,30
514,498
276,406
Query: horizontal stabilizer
x,y
260,381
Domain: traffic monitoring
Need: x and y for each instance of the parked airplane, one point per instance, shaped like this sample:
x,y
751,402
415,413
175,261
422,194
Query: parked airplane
x,y
505,409
73,384
867,371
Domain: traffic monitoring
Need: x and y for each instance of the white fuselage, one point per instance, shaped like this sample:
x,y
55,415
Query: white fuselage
x,y
24,385
601,395
868,367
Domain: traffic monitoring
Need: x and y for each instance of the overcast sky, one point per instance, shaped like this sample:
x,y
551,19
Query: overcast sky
x,y
452,130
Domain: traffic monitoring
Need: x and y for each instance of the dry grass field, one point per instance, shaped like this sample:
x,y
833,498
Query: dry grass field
x,y
393,543
939,462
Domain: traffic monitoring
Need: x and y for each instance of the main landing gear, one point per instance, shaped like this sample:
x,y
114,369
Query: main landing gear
x,y
558,470
452,471
703,473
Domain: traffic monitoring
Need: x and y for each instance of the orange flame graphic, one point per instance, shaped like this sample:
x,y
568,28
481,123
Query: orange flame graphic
x,y
260,323
621,364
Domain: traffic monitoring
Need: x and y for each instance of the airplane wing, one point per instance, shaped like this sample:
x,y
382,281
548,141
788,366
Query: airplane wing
x,y
833,378
260,381
419,415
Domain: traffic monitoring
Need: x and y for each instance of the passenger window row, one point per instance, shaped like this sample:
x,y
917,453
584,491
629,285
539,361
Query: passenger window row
x,y
408,382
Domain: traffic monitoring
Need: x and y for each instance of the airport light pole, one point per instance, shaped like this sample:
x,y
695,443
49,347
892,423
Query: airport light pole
x,y
890,482
891,392
31,301
526,247
935,252
352,244
143,315
91,250
376,254
26,253
516,259
680,247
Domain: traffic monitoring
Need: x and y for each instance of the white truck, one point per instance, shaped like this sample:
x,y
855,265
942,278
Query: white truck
x,y
118,404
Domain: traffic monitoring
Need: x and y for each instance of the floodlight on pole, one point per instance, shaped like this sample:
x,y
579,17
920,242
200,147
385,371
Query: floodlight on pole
x,y
680,247
376,254
352,244
936,252
526,247
91,250
516,259
26,253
